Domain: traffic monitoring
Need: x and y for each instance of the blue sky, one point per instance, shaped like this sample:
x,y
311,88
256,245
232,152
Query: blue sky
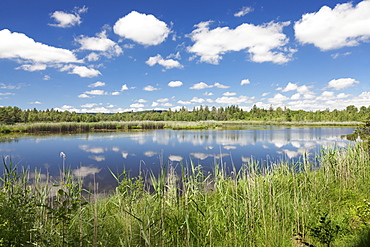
x,y
116,56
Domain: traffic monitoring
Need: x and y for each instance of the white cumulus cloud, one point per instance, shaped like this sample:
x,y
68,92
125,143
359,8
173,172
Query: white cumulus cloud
x,y
202,85
99,43
233,100
82,71
229,94
19,46
65,20
137,105
89,105
181,102
150,88
124,87
245,82
278,98
97,84
96,92
33,67
342,83
84,96
142,28
327,29
167,63
175,84
264,43
197,100
219,85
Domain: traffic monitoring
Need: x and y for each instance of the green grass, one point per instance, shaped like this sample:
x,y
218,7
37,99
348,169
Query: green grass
x,y
82,127
283,204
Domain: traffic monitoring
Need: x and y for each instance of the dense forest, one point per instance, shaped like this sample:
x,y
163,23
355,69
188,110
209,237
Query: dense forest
x,y
12,115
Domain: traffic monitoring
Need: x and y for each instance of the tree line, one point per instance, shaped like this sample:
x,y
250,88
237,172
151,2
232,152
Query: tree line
x,y
12,115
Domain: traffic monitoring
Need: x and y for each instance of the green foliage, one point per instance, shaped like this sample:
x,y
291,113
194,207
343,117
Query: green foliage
x,y
17,208
325,230
12,115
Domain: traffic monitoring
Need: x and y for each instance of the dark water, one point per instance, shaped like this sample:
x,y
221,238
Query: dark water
x,y
94,153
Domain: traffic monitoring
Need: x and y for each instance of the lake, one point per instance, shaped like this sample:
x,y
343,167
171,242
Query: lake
x,y
98,153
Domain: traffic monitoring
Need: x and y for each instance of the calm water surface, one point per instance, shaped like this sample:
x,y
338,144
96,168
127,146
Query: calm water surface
x,y
96,153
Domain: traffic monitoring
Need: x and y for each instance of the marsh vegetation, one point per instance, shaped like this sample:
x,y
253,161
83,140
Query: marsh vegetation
x,y
305,203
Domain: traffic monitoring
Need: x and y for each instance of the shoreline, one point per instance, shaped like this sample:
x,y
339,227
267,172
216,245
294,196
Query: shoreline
x,y
113,126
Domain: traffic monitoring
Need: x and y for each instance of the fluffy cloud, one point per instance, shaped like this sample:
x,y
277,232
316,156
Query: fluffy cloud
x,y
92,57
219,85
229,94
167,63
124,87
142,28
99,43
163,100
97,84
342,96
304,90
278,98
84,96
137,105
65,20
290,87
181,102
265,43
197,100
89,105
82,71
150,88
245,82
327,29
342,83
329,100
244,10
296,96
202,85
326,95
234,100
96,92
33,67
19,46
175,84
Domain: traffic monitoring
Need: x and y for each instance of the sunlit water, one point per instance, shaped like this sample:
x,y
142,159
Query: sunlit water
x,y
98,153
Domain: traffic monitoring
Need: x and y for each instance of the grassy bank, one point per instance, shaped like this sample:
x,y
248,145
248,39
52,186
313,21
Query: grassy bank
x,y
286,204
82,127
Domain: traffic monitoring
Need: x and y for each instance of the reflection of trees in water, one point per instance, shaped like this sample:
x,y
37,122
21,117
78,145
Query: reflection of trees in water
x,y
278,137
361,132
